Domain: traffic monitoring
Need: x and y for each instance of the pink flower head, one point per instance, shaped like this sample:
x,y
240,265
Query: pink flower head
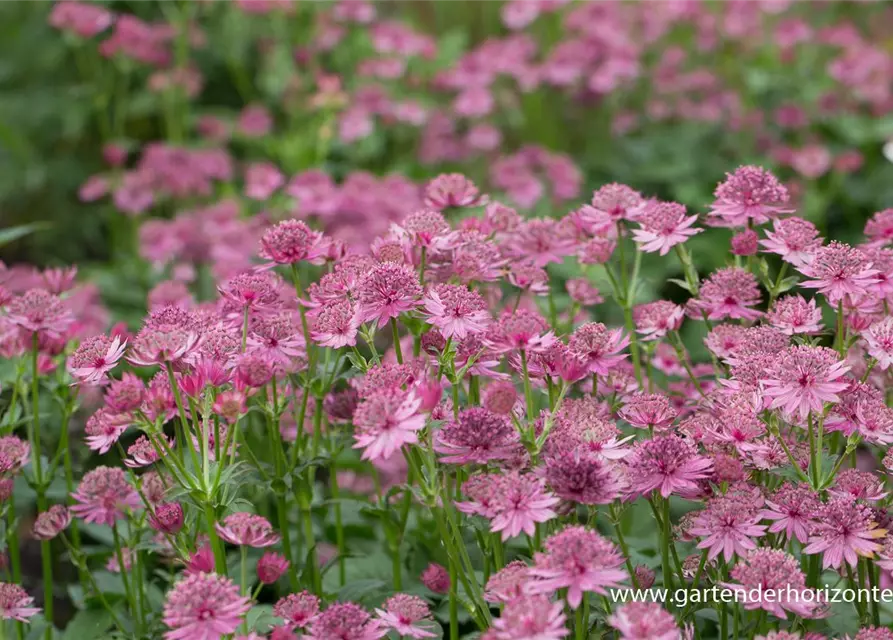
x,y
346,621
599,346
780,586
168,336
94,358
879,229
729,293
531,617
388,290
202,561
335,325
796,240
795,315
15,603
843,530
143,453
861,485
251,291
617,201
452,190
247,529
403,613
667,463
203,606
167,518
523,329
262,180
879,338
292,241
585,424
385,421
436,578
456,310
838,270
298,610
51,522
644,621
583,477
729,523
39,311
519,502
15,451
654,319
749,194
745,243
580,560
104,428
648,410
271,567
529,277
508,583
791,507
540,242
478,436
583,292
802,378
104,496
662,225
253,371
81,18
427,228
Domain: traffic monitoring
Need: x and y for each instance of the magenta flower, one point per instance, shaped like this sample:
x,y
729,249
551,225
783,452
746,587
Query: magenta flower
x,y
94,358
203,606
750,194
583,477
271,567
838,270
15,603
427,228
616,202
745,243
478,436
508,583
252,291
648,410
580,560
51,522
791,507
388,290
452,190
82,19
599,346
879,229
292,241
802,378
796,240
663,225
436,578
335,325
104,496
519,503
586,425
403,612
729,293
456,310
879,338
346,621
729,523
385,421
794,315
247,529
167,518
39,311
298,610
540,242
524,330
531,617
262,180
667,463
168,336
843,530
654,319
530,278
104,428
644,621
861,485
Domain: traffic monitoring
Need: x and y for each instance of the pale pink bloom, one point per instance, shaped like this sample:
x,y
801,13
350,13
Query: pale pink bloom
x,y
521,501
654,319
749,194
791,507
335,325
456,310
879,229
292,241
386,421
478,436
247,529
670,464
879,338
298,610
508,583
262,180
616,202
729,293
540,242
644,621
452,190
346,621
729,523
586,425
388,290
427,228
583,476
596,251
580,560
143,453
15,603
802,378
795,315
81,18
94,358
169,335
861,485
583,292
403,612
51,522
662,225
41,312
648,410
529,277
204,606
271,567
838,270
843,530
530,617
252,291
524,330
745,243
104,428
796,240
104,496
599,346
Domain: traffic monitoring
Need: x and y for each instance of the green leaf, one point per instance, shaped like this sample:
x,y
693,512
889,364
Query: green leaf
x,y
89,623
14,233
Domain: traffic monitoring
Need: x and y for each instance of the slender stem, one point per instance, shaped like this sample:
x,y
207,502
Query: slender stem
x,y
528,392
665,545
119,554
339,524
454,601
216,545
396,333
243,565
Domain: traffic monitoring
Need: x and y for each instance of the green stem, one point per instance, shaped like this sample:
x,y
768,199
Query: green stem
x,y
119,554
216,545
528,392
396,333
665,545
454,601
339,525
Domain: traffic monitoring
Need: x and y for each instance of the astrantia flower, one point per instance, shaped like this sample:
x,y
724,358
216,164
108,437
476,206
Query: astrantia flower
x,y
745,243
262,179
271,567
654,319
277,338
203,606
585,424
346,621
648,410
796,240
427,228
729,523
599,346
583,477
39,311
388,290
663,225
247,529
104,495
776,577
436,578
838,270
530,618
403,612
456,310
385,421
15,603
795,315
879,338
167,517
520,501
15,451
583,292
873,633
580,560
252,291
749,194
530,278
802,378
94,358
298,610
791,507
335,325
670,464
523,329
729,293
452,190
51,522
843,530
616,201
540,242
879,229
292,241
168,336
104,428
596,251
861,485
644,621
508,583
478,436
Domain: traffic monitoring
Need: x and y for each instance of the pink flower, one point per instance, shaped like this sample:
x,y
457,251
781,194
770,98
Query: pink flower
x,y
524,330
838,270
252,291
729,293
583,292
94,358
168,518
644,621
794,315
388,290
452,190
203,606
83,19
271,567
427,228
508,583
346,621
104,495
616,202
519,503
247,529
529,277
403,612
791,507
436,578
749,194
51,522
879,339
335,325
292,241
456,310
539,242
478,436
861,485
202,561
298,610
599,346
580,560
583,477
654,319
662,225
126,394
40,312
745,243
104,428
796,240
879,228
843,530
648,410
262,180
15,603
668,463
596,251
168,336
385,421
531,617
802,378
729,523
